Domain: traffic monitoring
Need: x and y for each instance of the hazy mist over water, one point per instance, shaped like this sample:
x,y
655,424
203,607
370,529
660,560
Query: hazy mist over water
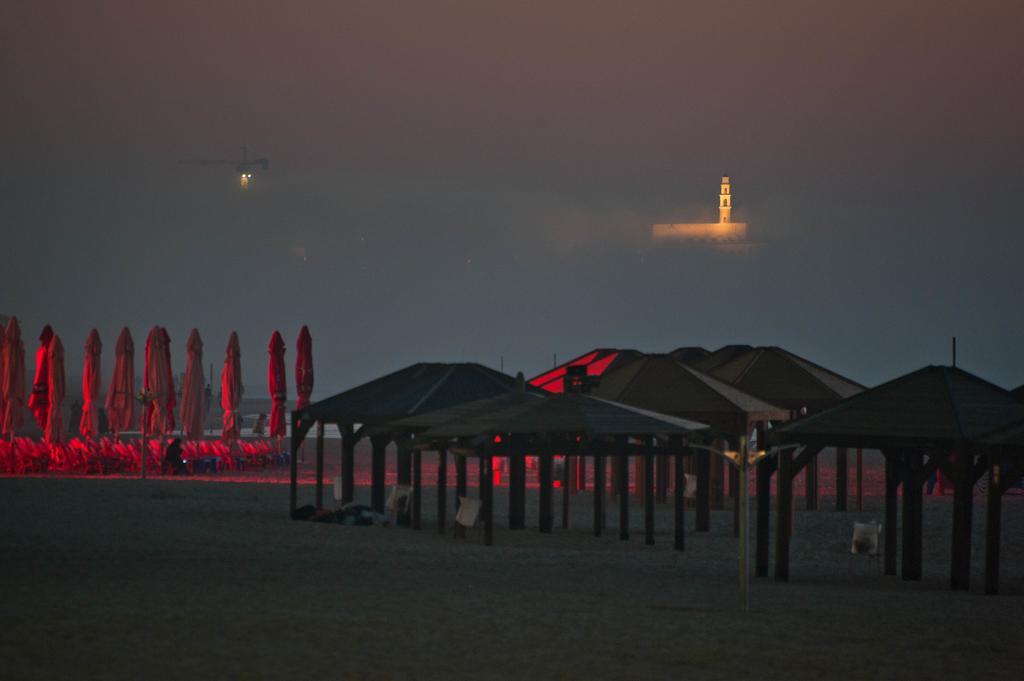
x,y
468,181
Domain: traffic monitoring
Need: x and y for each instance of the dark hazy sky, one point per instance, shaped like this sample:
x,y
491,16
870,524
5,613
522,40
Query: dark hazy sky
x,y
471,180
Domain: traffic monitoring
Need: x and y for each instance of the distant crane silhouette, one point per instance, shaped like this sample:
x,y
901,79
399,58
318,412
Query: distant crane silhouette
x,y
243,167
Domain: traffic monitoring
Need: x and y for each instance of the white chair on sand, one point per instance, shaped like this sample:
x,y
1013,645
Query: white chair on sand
x,y
468,514
398,501
867,541
690,491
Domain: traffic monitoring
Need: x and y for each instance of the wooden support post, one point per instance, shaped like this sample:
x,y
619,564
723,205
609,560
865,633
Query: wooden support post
x,y
348,464
993,523
442,489
734,481
460,479
417,488
811,483
567,481
517,491
662,480
598,495
649,497
912,539
546,513
893,471
378,464
703,490
963,493
717,481
841,483
319,464
581,473
638,475
680,491
622,464
764,500
487,498
860,479
293,460
783,509
403,476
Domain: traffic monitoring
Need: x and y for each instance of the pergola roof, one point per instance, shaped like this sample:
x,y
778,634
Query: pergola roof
x,y
1018,392
421,387
568,413
596,361
1011,435
720,356
466,411
933,405
689,354
782,378
662,384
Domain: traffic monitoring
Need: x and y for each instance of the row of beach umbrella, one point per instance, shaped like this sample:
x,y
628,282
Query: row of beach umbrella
x,y
158,397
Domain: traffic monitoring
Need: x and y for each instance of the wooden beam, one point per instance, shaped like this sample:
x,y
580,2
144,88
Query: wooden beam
x,y
442,489
734,481
764,499
649,499
598,495
784,508
679,484
293,459
912,515
993,523
348,465
378,462
319,464
703,491
662,478
622,462
417,490
811,483
893,473
841,482
460,480
963,495
546,513
487,498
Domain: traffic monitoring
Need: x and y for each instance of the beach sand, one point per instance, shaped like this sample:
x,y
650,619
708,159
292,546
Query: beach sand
x,y
189,579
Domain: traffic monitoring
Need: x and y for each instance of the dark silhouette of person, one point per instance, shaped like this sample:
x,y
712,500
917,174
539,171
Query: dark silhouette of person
x,y
173,462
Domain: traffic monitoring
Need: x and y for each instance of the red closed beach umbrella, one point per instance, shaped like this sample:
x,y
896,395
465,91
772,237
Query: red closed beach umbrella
x,y
89,424
120,398
154,381
13,380
39,401
192,391
231,388
54,432
277,385
303,368
172,397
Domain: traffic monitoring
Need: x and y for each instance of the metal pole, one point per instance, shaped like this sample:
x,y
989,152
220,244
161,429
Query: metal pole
x,y
744,507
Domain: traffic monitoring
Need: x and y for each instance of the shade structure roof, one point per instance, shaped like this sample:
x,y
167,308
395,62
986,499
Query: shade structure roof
x,y
421,387
784,379
1018,392
936,405
597,362
662,384
568,413
466,411
688,354
1011,435
720,356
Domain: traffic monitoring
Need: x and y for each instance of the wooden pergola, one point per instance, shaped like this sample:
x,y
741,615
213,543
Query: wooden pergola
x,y
787,380
935,418
661,383
366,411
569,424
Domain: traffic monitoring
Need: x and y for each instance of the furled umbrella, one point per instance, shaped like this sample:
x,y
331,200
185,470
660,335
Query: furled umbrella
x,y
89,425
13,380
55,391
120,400
154,384
231,389
192,410
39,401
303,368
172,398
278,387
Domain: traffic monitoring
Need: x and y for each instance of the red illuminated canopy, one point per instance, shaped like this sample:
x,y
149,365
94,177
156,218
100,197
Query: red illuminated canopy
x,y
596,361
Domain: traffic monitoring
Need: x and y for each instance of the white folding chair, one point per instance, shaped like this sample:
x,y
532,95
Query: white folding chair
x,y
690,491
468,514
867,541
398,501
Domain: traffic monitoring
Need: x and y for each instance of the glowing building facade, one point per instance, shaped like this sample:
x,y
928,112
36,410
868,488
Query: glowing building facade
x,y
722,232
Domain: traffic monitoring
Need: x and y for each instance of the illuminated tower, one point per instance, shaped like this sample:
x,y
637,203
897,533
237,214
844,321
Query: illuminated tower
x,y
725,202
